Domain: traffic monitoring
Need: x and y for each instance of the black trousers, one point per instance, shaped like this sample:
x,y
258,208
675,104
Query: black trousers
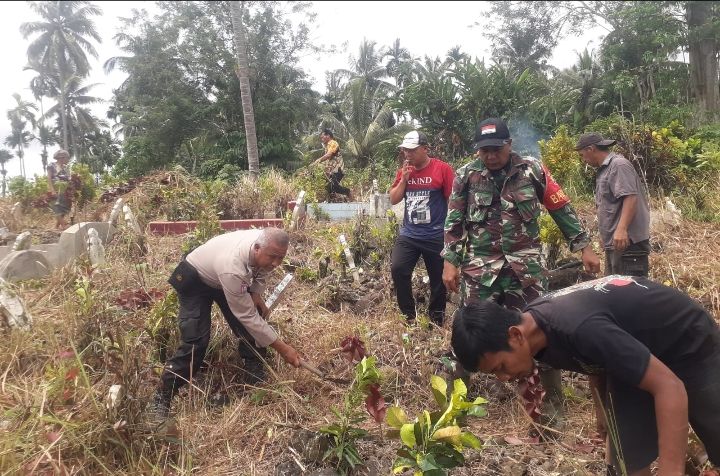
x,y
334,186
633,411
632,261
194,320
405,255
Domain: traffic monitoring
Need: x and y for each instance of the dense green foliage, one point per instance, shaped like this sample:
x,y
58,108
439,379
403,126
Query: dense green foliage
x,y
180,103
651,83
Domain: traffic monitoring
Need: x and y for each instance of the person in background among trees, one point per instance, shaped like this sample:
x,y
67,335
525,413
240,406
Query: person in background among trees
x,y
622,207
58,180
425,184
334,167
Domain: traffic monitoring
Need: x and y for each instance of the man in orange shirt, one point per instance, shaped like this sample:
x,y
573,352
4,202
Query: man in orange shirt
x,y
334,166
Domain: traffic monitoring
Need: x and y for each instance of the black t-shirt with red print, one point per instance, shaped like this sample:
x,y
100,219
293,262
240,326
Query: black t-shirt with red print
x,y
613,324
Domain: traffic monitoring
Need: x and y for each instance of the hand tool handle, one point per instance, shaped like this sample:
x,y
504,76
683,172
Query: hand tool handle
x,y
312,369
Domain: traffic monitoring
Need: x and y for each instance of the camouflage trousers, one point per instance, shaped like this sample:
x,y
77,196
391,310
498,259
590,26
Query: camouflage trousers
x,y
506,290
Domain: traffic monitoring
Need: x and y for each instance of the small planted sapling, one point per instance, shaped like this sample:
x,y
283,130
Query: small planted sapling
x,y
434,441
345,431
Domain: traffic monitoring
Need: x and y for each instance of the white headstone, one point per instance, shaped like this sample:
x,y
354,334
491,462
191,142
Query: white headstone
x,y
23,241
350,259
96,250
116,211
278,291
665,219
376,198
13,308
299,211
115,394
130,220
16,211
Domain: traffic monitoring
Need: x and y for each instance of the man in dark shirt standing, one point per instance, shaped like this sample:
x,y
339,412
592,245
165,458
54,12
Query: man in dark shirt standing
x,y
658,350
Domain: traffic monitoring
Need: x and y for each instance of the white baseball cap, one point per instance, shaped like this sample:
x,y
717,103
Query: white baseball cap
x,y
413,140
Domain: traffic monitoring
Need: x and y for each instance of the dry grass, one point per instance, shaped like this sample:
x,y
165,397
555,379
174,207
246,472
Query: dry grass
x,y
54,419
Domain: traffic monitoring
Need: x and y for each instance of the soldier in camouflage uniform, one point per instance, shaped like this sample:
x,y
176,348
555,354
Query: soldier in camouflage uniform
x,y
492,235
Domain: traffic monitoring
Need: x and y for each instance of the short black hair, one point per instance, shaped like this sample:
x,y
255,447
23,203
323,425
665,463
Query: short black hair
x,y
480,328
328,132
603,148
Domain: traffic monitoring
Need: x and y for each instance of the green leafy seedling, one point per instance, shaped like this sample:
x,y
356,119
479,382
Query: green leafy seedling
x,y
434,441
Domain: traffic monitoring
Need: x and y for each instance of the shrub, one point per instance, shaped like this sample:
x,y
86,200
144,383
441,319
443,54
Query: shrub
x,y
241,200
559,155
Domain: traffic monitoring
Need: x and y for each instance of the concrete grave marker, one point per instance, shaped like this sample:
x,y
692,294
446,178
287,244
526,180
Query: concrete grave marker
x,y
6,236
376,197
13,308
299,211
350,259
278,292
96,250
114,396
22,242
116,209
130,220
24,264
16,211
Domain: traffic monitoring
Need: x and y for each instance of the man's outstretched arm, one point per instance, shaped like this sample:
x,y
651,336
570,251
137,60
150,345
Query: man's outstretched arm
x,y
671,413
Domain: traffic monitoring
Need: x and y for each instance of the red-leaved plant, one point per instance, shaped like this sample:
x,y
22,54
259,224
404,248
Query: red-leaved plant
x,y
138,298
353,348
375,403
532,393
345,430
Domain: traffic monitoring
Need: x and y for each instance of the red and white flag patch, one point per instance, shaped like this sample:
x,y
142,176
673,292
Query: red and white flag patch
x,y
487,129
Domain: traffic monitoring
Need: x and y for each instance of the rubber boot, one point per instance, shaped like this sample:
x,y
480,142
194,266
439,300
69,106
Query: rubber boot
x,y
158,410
553,412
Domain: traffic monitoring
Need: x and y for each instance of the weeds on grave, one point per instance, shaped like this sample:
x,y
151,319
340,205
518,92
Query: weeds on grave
x,y
314,182
208,226
84,295
434,442
345,431
161,325
318,213
372,240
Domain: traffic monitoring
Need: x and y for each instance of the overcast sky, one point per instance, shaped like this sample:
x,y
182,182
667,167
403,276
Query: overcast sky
x,y
424,28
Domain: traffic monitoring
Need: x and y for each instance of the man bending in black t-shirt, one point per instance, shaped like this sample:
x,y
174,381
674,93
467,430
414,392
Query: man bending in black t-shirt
x,y
657,349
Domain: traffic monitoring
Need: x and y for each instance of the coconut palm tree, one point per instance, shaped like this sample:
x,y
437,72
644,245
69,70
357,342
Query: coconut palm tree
x,y
47,138
243,74
367,66
365,123
79,119
399,63
41,86
5,156
62,43
20,138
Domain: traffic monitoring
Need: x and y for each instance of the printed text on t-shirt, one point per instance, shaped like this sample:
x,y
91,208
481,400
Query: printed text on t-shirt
x,y
420,181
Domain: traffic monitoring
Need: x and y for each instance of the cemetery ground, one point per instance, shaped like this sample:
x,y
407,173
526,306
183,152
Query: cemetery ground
x,y
112,327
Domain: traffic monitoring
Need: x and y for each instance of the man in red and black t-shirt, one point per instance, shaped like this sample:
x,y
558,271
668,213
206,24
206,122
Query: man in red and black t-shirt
x,y
425,183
